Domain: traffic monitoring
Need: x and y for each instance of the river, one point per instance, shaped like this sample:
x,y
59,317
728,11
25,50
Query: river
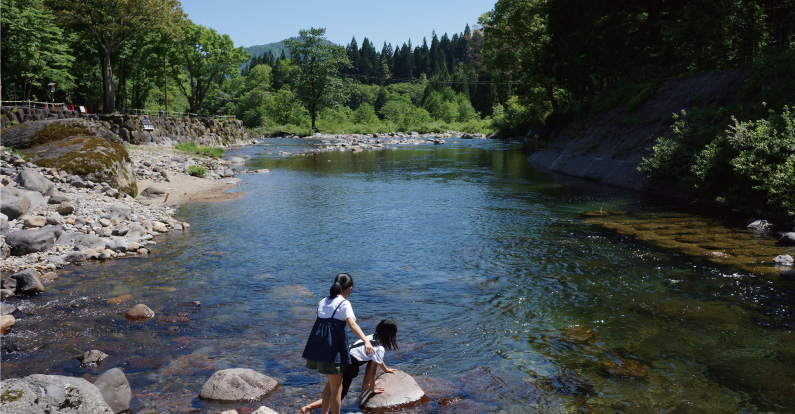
x,y
507,299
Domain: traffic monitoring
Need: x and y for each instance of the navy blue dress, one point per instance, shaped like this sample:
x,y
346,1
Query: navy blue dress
x,y
328,341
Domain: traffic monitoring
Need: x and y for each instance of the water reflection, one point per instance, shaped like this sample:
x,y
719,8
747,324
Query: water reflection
x,y
507,299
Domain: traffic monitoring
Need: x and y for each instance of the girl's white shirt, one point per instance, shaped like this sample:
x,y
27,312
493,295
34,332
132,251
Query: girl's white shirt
x,y
358,352
326,308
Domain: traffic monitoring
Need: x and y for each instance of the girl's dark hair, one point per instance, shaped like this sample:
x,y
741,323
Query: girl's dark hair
x,y
386,333
341,282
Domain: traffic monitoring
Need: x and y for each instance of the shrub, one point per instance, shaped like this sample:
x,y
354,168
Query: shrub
x,y
213,152
197,171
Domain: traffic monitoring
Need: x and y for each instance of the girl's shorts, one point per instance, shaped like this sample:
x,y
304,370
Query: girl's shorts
x,y
327,368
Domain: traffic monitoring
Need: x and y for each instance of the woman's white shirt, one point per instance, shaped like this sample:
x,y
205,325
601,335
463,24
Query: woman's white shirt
x,y
326,308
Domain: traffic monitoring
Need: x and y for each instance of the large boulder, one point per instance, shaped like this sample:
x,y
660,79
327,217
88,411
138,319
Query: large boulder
x,y
27,282
115,389
81,147
22,242
787,239
33,180
400,389
12,203
237,384
40,393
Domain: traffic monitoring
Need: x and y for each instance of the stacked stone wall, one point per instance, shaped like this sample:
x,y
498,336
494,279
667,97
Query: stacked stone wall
x,y
130,128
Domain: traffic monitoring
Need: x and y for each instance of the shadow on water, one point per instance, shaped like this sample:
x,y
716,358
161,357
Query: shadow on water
x,y
507,297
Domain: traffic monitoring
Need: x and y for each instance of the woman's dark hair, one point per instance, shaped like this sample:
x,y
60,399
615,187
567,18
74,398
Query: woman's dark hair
x,y
386,333
341,282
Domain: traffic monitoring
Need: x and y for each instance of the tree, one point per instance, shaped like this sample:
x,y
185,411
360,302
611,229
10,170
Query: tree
x,y
34,51
320,83
207,56
113,24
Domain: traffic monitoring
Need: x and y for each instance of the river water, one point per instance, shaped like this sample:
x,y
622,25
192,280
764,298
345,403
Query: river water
x,y
506,298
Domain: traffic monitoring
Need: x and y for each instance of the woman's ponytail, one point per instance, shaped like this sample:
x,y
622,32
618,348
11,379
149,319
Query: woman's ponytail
x,y
341,282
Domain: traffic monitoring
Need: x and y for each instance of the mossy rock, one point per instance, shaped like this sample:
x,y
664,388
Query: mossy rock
x,y
86,149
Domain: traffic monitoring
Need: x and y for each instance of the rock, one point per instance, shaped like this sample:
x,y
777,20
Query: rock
x,y
6,293
13,203
5,250
48,278
136,232
88,241
120,299
34,221
759,225
787,239
57,199
54,220
27,282
83,148
66,208
783,260
75,257
237,384
229,412
115,389
263,410
159,227
40,393
3,224
7,309
33,180
153,191
139,312
6,322
22,242
119,210
117,245
91,358
237,160
400,389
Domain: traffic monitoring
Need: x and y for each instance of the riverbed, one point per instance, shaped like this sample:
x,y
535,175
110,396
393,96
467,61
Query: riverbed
x,y
508,298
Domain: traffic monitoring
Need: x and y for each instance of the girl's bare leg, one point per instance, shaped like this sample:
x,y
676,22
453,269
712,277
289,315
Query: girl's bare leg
x,y
332,394
312,407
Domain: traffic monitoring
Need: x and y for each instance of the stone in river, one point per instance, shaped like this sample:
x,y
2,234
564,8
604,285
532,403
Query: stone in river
x,y
783,260
65,208
91,358
6,322
27,282
237,384
48,278
115,389
40,393
263,410
119,299
7,309
139,311
787,239
400,390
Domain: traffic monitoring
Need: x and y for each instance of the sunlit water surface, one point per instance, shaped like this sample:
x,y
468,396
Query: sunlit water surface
x,y
506,297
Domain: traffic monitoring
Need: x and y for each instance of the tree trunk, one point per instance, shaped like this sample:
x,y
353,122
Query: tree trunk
x,y
107,84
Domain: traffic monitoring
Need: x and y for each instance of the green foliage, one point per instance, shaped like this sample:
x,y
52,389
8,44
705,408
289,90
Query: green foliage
x,y
208,56
213,152
320,84
750,167
35,51
197,171
365,114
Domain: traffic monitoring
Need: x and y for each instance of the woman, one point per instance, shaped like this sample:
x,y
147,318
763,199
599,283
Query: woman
x,y
327,348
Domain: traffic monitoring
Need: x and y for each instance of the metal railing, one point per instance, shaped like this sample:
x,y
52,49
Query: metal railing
x,y
38,105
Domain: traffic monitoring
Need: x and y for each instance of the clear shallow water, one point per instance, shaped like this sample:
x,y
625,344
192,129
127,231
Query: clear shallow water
x,y
506,299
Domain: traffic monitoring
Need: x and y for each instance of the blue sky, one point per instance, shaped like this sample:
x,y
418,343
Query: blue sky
x,y
257,22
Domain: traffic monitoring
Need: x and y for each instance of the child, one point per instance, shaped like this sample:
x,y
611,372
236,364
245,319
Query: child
x,y
327,348
385,338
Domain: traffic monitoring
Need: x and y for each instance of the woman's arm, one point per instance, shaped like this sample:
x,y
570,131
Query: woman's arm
x,y
368,347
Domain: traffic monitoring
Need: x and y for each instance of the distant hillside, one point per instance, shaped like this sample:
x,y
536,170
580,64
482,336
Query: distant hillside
x,y
275,48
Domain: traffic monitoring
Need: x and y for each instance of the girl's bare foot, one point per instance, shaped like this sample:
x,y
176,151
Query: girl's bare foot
x,y
305,410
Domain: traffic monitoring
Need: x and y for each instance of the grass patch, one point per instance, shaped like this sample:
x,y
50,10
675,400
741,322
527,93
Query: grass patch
x,y
213,152
197,171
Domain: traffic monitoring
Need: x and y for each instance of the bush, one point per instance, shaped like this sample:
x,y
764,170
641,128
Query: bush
x,y
197,171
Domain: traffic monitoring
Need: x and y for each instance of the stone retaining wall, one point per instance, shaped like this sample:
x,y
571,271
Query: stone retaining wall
x,y
167,131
